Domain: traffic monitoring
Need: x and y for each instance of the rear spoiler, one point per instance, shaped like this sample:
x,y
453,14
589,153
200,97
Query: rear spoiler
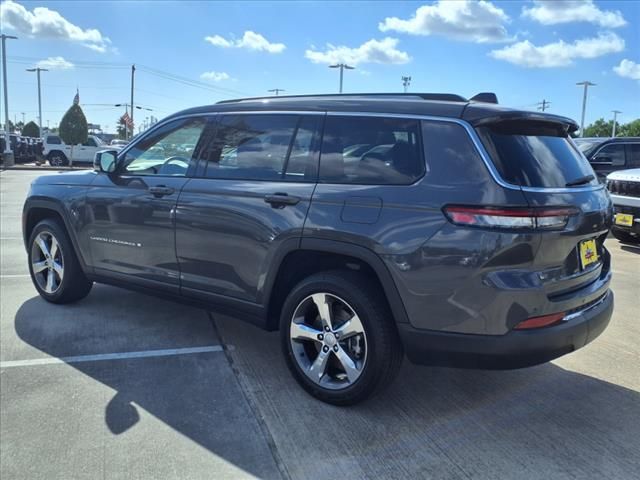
x,y
506,116
485,97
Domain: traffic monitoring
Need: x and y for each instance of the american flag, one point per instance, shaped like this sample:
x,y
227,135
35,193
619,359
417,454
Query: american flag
x,y
127,120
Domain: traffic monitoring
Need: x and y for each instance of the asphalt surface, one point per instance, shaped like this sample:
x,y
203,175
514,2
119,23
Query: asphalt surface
x,y
206,396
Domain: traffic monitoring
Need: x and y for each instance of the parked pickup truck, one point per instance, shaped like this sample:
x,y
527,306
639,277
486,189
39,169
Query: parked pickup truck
x,y
59,154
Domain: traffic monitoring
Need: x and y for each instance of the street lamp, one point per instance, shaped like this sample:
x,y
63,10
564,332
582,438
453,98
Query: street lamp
x,y
38,70
586,84
615,118
342,67
7,155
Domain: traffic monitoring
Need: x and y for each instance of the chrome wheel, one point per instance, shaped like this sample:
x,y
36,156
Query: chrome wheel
x,y
47,264
328,341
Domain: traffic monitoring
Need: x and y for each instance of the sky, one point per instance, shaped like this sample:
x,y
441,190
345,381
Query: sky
x,y
196,53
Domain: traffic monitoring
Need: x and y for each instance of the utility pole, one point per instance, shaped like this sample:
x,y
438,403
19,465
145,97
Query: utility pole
x,y
406,81
342,67
133,71
586,85
38,70
276,91
615,118
22,113
543,105
7,155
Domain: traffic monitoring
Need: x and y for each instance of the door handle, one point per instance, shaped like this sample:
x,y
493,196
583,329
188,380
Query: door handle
x,y
161,191
281,200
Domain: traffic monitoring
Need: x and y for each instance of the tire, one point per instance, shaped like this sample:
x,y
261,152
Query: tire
x,y
625,237
57,159
55,271
318,363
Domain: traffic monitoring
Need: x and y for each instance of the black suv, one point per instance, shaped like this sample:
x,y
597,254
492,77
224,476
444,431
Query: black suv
x,y
608,155
363,227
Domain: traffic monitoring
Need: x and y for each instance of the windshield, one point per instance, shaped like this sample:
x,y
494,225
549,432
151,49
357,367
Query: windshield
x,y
585,145
535,154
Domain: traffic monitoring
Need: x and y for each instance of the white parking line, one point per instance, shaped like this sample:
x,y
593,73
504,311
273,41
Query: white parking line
x,y
112,356
15,276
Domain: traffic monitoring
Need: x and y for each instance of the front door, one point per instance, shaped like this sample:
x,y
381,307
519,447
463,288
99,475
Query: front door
x,y
252,197
131,227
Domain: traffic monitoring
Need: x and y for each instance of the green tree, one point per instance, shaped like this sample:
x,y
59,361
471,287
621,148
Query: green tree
x,y
599,128
121,129
73,126
31,130
631,129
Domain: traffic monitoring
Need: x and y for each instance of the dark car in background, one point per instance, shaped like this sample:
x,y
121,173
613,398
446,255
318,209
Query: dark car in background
x,y
363,227
607,155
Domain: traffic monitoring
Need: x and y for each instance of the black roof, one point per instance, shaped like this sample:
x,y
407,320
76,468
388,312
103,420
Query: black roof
x,y
427,104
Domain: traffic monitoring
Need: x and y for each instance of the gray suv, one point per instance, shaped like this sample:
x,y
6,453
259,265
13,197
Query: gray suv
x,y
363,227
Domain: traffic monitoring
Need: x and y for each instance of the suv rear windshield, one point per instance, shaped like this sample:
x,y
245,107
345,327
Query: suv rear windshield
x,y
535,154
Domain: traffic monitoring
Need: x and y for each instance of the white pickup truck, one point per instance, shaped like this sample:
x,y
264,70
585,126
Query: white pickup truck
x,y
59,154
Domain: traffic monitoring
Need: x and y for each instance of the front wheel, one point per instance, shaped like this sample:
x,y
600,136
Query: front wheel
x,y
57,159
53,265
339,338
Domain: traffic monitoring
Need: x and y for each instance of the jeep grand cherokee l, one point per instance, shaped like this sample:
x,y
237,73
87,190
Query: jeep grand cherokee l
x,y
363,227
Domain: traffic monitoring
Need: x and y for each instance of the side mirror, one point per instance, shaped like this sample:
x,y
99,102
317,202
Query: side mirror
x,y
105,161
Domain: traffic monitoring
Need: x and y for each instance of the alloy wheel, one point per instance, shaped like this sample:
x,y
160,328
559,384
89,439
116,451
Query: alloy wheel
x,y
328,341
47,263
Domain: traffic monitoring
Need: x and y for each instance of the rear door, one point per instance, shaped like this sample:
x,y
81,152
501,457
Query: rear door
x,y
608,159
251,196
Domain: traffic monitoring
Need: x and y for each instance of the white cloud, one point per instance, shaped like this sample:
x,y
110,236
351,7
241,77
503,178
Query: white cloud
x,y
560,53
55,63
215,76
468,20
628,69
372,51
553,12
250,40
45,23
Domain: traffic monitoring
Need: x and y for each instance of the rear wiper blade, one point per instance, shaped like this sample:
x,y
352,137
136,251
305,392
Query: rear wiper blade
x,y
580,181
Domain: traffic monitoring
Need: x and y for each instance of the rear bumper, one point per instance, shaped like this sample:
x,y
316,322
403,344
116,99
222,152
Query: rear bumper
x,y
515,349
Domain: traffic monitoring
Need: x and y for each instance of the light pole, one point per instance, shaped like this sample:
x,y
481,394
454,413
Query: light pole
x,y
342,67
615,118
7,155
406,81
276,91
586,84
38,70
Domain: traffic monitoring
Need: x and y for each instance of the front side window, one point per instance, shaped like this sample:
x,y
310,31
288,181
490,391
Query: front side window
x,y
633,155
54,140
371,150
169,150
90,143
535,154
263,147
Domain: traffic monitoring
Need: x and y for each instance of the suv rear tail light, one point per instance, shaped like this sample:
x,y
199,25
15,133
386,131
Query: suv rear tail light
x,y
540,322
512,218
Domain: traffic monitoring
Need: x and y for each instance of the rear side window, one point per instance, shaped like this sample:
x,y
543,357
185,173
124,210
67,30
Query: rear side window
x,y
534,154
633,154
612,154
371,151
264,147
53,140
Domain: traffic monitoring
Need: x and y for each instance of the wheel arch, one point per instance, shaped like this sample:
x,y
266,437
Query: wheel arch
x,y
315,255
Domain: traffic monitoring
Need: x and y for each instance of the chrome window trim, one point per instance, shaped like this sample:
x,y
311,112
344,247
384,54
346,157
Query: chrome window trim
x,y
473,135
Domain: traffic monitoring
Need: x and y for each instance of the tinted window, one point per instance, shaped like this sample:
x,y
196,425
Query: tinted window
x,y
371,150
263,147
163,152
90,143
450,154
534,154
633,154
53,140
612,154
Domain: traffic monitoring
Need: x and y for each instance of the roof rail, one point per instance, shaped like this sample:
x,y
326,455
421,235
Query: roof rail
x,y
443,97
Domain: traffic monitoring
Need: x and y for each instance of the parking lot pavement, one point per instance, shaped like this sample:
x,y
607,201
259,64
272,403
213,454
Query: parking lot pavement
x,y
238,413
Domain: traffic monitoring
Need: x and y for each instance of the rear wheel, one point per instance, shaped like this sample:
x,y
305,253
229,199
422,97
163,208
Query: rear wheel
x,y
57,159
53,265
338,337
625,237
